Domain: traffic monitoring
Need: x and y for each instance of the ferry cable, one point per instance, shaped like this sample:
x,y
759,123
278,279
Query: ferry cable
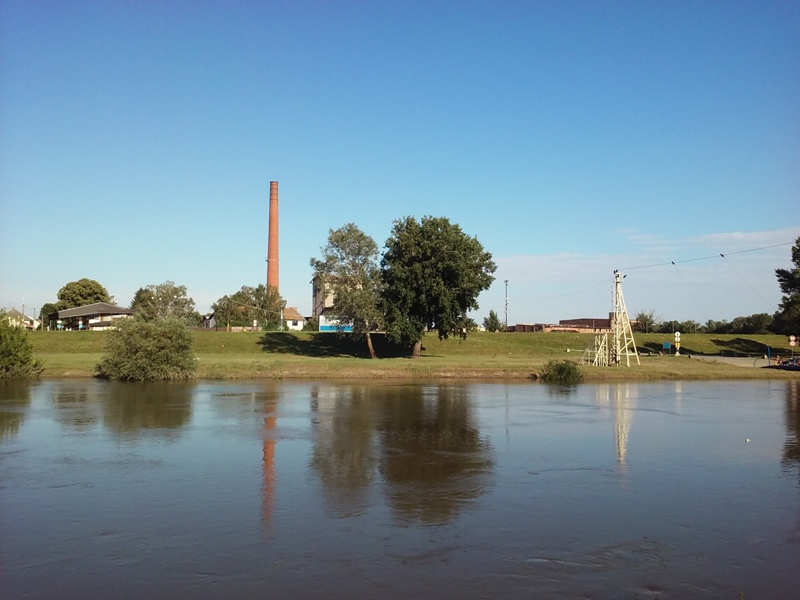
x,y
666,264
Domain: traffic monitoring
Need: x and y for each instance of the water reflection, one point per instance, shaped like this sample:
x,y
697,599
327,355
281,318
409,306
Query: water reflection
x,y
621,399
433,457
130,409
271,401
419,443
80,405
538,514
559,391
791,448
15,398
343,456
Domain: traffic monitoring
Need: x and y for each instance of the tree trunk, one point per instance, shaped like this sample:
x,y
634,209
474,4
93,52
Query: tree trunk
x,y
417,347
369,345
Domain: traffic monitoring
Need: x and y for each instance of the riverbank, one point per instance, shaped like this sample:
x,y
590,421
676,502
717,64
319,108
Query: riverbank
x,y
254,355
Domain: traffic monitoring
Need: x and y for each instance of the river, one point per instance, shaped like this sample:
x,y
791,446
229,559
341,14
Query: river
x,y
264,489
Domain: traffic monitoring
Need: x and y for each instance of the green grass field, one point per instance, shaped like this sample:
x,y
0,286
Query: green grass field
x,y
224,355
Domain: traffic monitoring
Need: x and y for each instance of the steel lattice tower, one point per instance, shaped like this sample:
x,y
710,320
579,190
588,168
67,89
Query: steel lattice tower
x,y
623,343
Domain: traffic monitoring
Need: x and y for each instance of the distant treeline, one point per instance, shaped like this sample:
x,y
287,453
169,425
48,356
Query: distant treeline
x,y
754,324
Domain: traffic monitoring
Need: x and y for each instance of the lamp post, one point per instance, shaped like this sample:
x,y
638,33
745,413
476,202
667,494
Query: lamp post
x,y
506,282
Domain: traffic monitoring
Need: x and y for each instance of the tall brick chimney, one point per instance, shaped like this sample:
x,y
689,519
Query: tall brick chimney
x,y
272,243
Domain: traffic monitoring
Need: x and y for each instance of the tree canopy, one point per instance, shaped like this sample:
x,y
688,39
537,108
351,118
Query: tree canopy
x,y
432,274
349,268
80,293
647,321
164,301
492,323
16,352
240,309
44,314
787,318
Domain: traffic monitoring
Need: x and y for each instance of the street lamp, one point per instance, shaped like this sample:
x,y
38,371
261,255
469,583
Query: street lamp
x,y
506,282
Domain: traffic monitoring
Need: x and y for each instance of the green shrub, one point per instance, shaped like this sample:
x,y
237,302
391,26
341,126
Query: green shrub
x,y
16,352
139,350
561,371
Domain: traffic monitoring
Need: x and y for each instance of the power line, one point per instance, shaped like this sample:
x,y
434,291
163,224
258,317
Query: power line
x,y
689,291
668,263
747,283
677,262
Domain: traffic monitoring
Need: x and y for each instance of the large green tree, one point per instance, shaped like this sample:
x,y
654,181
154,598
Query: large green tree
x,y
80,293
646,321
787,319
349,268
261,303
432,274
165,301
45,313
492,323
16,352
142,303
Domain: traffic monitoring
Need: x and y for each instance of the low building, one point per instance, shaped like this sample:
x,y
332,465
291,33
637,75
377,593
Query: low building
x,y
293,319
18,319
584,325
323,309
95,317
322,298
329,324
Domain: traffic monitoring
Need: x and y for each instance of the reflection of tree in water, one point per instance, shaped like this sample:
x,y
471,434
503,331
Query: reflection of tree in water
x,y
791,448
434,460
132,407
15,398
561,392
343,456
79,404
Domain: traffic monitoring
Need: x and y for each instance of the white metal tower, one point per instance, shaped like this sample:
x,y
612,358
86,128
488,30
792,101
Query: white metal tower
x,y
597,354
624,345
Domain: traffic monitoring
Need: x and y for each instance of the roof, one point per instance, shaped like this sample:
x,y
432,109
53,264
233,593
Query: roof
x,y
98,308
290,313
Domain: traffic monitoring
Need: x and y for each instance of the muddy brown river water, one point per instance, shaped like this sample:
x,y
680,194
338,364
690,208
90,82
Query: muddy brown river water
x,y
399,490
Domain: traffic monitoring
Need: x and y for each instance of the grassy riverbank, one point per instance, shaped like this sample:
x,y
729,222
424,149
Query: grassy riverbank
x,y
223,355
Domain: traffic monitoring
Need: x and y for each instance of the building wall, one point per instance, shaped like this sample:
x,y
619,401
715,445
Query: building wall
x,y
331,325
322,298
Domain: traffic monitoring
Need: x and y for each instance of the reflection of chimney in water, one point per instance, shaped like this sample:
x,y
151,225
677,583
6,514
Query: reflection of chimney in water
x,y
272,241
268,461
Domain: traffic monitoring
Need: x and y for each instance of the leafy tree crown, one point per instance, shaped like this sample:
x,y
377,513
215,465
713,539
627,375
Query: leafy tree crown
x,y
432,274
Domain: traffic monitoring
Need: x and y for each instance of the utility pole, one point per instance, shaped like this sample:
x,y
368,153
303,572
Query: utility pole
x,y
506,282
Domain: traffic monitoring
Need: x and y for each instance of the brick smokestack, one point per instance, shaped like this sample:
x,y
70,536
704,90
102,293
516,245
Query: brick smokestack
x,y
272,243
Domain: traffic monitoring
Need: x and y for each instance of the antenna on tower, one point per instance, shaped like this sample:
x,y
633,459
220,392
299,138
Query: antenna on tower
x,y
623,344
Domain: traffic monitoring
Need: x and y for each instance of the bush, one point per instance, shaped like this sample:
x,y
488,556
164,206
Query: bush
x,y
561,371
139,350
16,352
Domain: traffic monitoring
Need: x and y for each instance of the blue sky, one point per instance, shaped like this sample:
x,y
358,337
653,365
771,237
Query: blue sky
x,y
138,140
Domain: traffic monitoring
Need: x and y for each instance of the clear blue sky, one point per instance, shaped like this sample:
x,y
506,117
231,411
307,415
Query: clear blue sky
x,y
138,140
